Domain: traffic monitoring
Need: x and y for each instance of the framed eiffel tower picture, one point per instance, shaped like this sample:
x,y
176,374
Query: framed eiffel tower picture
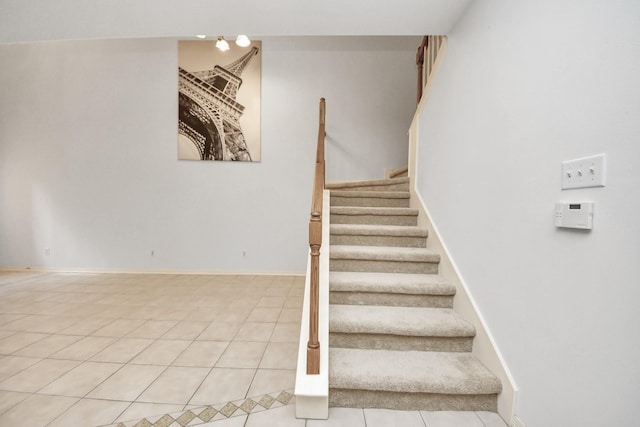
x,y
219,101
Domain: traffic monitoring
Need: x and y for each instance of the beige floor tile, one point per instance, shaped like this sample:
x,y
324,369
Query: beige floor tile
x,y
40,410
201,315
286,332
138,410
7,317
9,399
122,351
271,302
451,419
82,379
389,417
161,352
275,291
152,329
260,314
87,326
19,340
491,419
175,385
39,323
128,383
339,417
230,422
37,376
4,334
118,328
296,291
84,348
202,354
271,380
220,331
231,312
223,385
290,315
293,302
241,354
280,355
47,346
89,412
284,416
186,330
11,365
254,332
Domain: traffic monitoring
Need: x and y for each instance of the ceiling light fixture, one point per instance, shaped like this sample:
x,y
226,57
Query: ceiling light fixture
x,y
243,41
201,36
222,44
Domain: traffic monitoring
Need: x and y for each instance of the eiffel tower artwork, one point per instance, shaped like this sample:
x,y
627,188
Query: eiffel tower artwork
x,y
219,102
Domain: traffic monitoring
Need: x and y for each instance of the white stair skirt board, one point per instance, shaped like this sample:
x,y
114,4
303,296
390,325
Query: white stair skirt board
x,y
312,391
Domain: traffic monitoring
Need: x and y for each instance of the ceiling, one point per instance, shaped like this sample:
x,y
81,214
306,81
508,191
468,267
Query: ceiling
x,y
37,20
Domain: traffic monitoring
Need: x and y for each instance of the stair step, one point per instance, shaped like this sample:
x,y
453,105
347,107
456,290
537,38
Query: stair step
x,y
390,184
370,198
390,289
378,235
373,215
400,173
383,259
399,328
410,380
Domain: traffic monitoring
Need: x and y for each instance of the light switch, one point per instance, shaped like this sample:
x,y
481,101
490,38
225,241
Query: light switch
x,y
584,172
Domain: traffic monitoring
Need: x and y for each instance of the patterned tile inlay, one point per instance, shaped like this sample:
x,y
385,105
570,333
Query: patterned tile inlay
x,y
248,406
204,414
185,418
267,401
207,414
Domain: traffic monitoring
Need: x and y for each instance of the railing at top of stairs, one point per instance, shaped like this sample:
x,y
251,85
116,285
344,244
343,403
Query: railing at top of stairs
x,y
425,60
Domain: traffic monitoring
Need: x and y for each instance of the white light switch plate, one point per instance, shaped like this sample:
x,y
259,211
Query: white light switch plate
x,y
584,172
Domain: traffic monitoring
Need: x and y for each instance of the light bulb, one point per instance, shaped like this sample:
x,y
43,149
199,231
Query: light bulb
x,y
243,41
222,44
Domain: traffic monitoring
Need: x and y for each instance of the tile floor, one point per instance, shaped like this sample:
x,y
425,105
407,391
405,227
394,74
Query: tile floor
x,y
163,350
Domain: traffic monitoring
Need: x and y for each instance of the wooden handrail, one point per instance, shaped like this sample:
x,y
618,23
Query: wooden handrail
x,y
315,243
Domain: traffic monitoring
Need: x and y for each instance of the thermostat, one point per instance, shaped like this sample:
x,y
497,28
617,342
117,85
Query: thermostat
x,y
574,215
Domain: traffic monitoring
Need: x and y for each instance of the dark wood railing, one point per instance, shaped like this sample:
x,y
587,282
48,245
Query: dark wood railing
x,y
315,243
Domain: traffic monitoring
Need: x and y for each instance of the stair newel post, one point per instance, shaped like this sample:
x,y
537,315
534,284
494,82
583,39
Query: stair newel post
x,y
315,241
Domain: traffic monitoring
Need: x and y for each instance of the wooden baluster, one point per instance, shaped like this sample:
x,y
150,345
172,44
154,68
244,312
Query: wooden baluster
x,y
313,346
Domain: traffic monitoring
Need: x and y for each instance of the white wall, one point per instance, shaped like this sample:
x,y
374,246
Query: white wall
x,y
525,85
88,153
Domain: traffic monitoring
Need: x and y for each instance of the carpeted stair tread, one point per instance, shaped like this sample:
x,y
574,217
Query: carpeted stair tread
x,y
366,183
383,253
410,372
404,321
378,230
400,283
371,194
382,211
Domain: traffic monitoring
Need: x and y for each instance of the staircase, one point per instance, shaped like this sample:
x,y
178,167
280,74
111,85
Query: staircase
x,y
395,341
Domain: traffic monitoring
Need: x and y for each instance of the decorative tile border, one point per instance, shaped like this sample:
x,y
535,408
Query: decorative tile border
x,y
222,411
